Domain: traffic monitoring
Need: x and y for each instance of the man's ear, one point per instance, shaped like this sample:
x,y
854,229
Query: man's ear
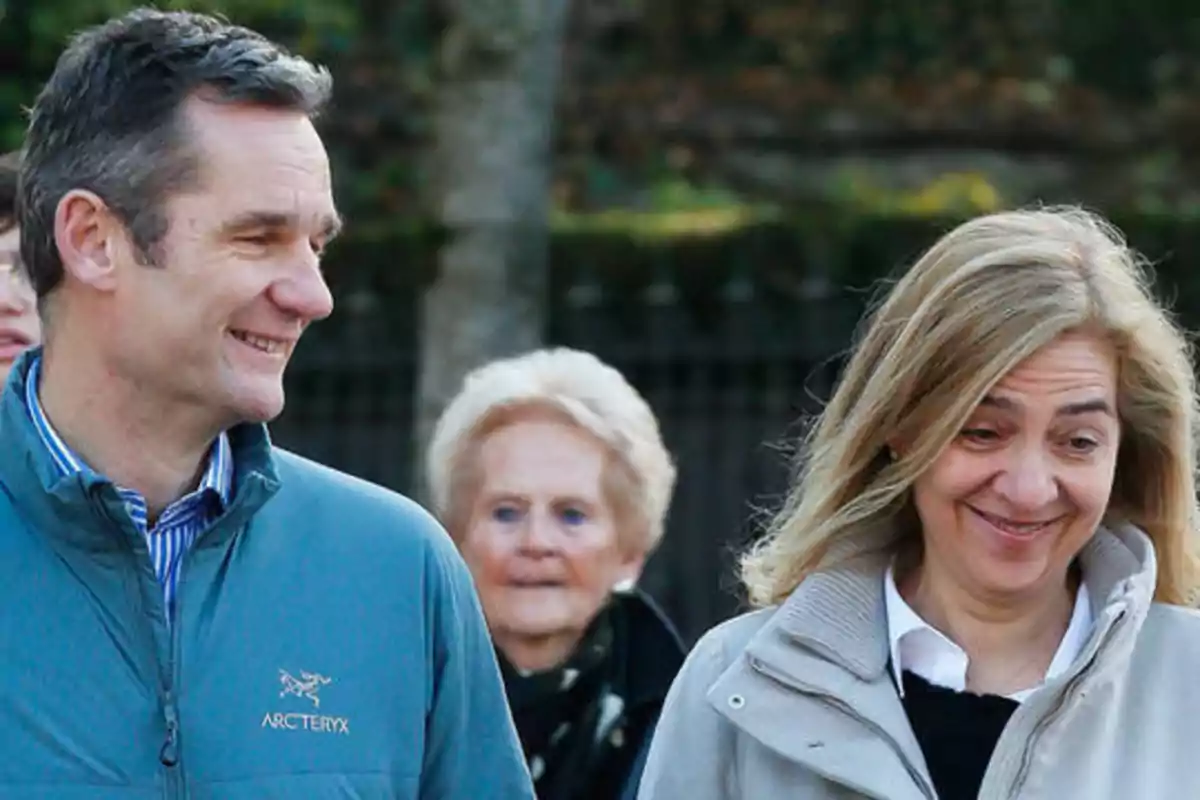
x,y
87,234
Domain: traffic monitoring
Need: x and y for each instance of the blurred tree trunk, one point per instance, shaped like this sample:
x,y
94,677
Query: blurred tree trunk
x,y
489,189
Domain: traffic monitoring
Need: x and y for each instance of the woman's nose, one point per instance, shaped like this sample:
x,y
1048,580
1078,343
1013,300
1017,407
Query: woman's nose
x,y
539,535
1028,481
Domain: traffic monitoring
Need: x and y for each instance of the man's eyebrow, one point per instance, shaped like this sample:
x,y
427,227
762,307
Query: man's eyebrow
x,y
331,225
259,219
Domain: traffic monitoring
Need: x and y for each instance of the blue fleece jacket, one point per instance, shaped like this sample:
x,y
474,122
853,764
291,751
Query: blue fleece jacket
x,y
326,642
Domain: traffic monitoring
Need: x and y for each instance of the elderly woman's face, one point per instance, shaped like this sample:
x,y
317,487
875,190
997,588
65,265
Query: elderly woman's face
x,y
1012,500
19,323
542,540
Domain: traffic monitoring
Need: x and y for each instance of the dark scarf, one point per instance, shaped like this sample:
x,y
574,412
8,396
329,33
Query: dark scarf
x,y
581,723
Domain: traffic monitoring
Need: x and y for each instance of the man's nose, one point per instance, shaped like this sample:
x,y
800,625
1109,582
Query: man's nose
x,y
304,294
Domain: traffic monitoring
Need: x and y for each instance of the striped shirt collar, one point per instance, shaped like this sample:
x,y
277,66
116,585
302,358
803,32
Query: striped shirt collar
x,y
217,480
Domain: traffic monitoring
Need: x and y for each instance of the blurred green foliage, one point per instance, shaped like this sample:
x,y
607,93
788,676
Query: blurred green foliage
x,y
1135,49
33,34
640,71
1099,81
381,73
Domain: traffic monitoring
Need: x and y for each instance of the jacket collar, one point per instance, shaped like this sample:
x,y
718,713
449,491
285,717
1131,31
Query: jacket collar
x,y
840,614
79,507
824,654
653,650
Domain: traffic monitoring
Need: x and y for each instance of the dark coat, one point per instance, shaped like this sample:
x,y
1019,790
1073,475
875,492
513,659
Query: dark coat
x,y
586,725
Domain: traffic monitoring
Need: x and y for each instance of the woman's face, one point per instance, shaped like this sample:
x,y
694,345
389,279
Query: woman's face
x,y
1014,497
20,327
542,540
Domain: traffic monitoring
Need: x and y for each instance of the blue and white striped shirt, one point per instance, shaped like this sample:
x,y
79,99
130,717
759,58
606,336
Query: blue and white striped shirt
x,y
179,524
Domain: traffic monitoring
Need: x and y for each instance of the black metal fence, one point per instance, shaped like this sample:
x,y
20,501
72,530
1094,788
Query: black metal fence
x,y
733,341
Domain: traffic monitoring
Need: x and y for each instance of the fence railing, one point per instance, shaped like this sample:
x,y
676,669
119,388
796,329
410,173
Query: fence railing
x,y
733,342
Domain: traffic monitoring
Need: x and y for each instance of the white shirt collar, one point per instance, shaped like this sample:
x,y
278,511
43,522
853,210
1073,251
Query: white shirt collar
x,y
918,647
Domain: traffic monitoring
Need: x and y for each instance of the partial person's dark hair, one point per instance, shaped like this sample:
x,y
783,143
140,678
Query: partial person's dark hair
x,y
109,119
9,164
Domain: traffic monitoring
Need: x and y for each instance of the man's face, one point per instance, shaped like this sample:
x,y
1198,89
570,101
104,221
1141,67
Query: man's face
x,y
238,278
20,327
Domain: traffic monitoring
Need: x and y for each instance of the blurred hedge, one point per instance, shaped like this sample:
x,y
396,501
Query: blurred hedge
x,y
645,78
821,251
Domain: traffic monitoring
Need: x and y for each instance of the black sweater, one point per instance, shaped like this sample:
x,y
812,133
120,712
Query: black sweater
x,y
957,732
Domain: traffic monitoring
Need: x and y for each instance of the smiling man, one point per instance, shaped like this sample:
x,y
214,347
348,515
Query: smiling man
x,y
19,324
242,623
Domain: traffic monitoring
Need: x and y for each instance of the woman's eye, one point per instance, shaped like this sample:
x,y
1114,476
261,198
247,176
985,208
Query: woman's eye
x,y
505,514
980,434
573,516
1082,444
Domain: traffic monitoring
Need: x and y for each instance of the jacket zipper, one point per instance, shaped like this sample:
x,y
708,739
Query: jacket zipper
x,y
1054,713
845,708
170,755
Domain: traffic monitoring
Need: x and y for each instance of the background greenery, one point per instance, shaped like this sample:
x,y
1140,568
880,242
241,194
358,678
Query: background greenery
x,y
655,92
731,178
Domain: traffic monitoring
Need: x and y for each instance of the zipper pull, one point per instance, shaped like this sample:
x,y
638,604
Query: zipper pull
x,y
169,755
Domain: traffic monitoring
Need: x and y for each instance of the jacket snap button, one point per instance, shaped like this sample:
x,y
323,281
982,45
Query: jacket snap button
x,y
736,701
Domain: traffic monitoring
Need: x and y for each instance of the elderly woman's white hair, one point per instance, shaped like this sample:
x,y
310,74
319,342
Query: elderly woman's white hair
x,y
582,390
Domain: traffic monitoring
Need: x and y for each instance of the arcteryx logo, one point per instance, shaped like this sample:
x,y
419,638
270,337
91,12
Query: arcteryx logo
x,y
306,686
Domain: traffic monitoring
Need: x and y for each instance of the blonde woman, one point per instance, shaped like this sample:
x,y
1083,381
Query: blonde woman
x,y
977,587
551,476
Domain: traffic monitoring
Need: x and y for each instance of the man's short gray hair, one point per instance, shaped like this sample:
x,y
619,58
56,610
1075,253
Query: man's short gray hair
x,y
108,120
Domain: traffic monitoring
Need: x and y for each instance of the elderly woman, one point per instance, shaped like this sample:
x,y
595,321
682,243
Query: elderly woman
x,y
977,587
550,474
19,324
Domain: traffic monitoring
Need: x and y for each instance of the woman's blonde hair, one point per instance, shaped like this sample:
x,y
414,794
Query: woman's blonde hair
x,y
985,297
579,389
